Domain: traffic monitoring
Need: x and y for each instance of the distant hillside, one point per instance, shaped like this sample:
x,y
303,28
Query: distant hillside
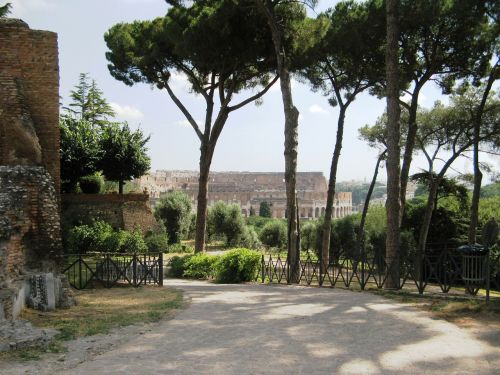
x,y
491,190
360,190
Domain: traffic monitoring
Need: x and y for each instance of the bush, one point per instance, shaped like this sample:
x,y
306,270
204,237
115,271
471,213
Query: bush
x,y
225,222
274,234
174,210
180,248
178,265
91,184
308,236
84,238
250,239
238,265
200,266
157,242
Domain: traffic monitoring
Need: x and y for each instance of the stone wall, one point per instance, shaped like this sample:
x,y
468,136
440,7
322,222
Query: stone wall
x,y
30,239
29,97
121,211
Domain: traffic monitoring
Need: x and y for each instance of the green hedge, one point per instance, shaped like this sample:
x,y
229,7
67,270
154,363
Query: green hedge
x,y
238,265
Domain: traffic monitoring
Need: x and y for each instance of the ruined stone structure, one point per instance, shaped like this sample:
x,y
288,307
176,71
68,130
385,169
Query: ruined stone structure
x,y
29,97
121,211
249,189
30,236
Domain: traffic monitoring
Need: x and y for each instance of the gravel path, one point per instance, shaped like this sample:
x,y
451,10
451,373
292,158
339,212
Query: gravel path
x,y
260,329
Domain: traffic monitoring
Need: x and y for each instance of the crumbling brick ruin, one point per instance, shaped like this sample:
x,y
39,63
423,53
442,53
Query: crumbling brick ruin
x,y
30,239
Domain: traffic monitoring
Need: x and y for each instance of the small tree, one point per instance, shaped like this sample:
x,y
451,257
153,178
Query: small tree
x,y
124,154
227,221
80,151
274,234
265,209
174,210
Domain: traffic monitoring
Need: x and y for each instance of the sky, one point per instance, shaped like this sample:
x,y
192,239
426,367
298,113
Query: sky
x,y
252,139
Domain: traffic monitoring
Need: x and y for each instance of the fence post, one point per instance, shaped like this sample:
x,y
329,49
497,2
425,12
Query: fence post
x,y
363,259
262,268
160,270
80,272
488,275
134,269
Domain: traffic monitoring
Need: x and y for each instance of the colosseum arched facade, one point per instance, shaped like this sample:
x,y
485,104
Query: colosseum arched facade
x,y
249,189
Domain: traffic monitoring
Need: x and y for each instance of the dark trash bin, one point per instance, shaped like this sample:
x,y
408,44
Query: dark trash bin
x,y
474,266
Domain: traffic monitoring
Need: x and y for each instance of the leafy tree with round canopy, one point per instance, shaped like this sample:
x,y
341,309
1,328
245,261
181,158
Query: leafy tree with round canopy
x,y
220,46
79,149
265,209
174,210
124,154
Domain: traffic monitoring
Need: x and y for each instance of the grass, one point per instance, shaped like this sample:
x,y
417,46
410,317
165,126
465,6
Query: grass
x,y
99,311
451,308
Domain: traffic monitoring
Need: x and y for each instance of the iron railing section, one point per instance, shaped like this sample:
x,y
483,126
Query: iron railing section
x,y
110,269
441,269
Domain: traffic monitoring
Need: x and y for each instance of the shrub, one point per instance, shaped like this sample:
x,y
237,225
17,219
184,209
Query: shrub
x,y
174,210
274,234
238,265
84,238
200,266
91,184
157,242
308,236
180,248
250,239
133,243
225,221
178,265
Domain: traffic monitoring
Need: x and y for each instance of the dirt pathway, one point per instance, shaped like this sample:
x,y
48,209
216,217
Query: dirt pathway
x,y
260,329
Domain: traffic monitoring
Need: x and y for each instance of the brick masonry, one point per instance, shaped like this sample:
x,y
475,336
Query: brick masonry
x,y
121,211
29,97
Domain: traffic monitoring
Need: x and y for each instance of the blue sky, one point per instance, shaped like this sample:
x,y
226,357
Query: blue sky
x,y
252,139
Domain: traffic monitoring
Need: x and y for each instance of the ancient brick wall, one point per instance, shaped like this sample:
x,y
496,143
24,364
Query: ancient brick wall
x,y
30,239
29,97
121,211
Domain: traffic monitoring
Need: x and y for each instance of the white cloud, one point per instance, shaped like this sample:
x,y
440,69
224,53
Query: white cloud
x,y
185,123
127,112
317,109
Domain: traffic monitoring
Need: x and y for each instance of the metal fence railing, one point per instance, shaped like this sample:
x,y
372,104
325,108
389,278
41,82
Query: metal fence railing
x,y
110,269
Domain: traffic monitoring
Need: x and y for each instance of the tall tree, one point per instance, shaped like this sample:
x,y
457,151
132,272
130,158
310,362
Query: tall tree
x,y
218,45
493,32
450,129
5,10
88,102
441,40
348,61
174,210
393,150
276,13
123,155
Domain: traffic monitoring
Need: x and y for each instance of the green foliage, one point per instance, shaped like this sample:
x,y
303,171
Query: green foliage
x,y
238,265
157,242
250,238
91,184
257,222
174,210
180,248
265,209
200,266
225,221
80,151
178,265
5,10
308,233
274,234
89,103
489,208
491,190
88,238
123,154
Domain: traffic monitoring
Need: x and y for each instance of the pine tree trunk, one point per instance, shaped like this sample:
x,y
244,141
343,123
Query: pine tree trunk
x,y
393,151
361,229
120,187
202,202
429,209
327,224
477,171
291,140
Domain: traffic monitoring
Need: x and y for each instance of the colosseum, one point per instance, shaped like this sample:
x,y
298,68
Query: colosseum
x,y
249,189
